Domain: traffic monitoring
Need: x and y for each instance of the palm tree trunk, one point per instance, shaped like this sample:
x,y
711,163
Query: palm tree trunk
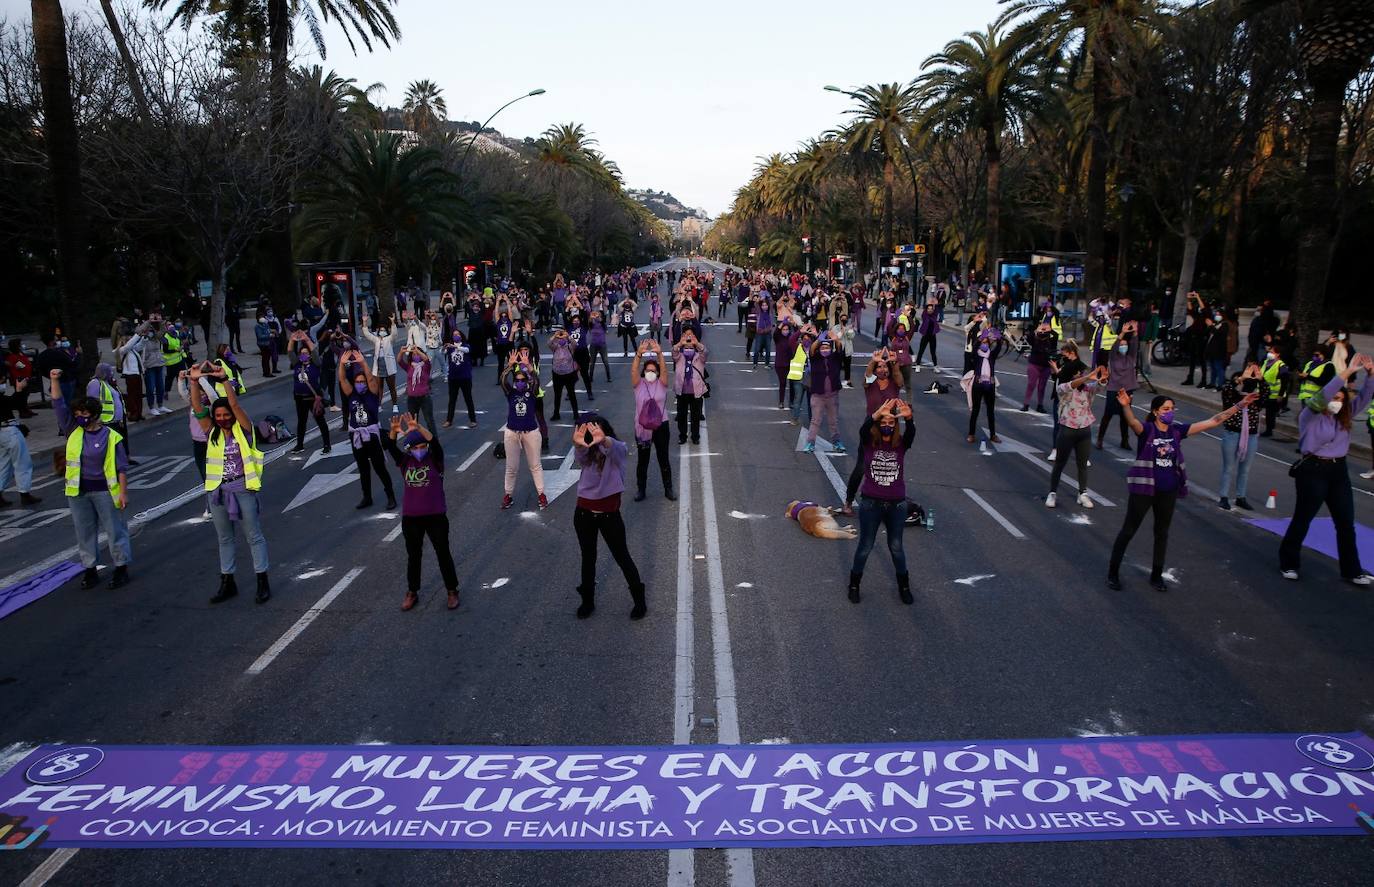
x,y
386,281
994,214
218,332
282,279
1317,208
1094,265
64,162
1231,246
1185,275
889,173
126,58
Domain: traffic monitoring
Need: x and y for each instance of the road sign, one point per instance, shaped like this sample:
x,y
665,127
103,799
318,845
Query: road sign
x,y
909,249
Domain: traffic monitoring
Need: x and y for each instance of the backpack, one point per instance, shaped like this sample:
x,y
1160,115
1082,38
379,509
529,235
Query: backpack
x,y
273,429
650,415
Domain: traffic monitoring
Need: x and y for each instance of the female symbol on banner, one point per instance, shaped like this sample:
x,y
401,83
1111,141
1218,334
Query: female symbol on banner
x,y
64,765
1335,752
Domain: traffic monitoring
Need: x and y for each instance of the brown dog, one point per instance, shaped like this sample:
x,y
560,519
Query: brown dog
x,y
818,521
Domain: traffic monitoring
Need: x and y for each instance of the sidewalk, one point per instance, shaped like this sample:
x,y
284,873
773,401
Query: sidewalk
x,y
44,437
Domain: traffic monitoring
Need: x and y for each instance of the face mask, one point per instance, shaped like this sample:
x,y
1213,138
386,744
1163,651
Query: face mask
x,y
225,423
360,387
83,421
825,352
1334,406
689,353
651,375
521,385
65,343
457,337
1341,337
1122,348
1217,318
1165,416
305,358
419,453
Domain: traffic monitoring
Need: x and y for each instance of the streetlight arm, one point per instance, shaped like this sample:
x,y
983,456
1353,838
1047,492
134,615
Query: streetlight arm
x,y
472,141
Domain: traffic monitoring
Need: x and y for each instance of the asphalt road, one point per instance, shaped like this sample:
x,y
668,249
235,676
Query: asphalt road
x,y
1039,647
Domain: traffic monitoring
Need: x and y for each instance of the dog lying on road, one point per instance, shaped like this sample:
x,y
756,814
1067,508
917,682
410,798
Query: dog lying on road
x,y
818,521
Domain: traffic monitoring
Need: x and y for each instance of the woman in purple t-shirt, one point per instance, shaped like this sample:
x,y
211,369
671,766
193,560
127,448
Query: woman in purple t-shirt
x,y
882,494
1158,477
602,459
424,511
651,417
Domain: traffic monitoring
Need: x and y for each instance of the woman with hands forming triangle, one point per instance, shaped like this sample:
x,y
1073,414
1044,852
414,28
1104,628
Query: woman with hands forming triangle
x,y
424,510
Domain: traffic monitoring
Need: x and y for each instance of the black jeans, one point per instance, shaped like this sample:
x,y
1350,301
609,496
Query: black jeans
x,y
982,394
1271,414
659,444
465,386
627,340
688,409
415,528
583,357
423,403
1323,482
1114,408
1072,440
370,453
587,524
927,339
605,362
305,404
1137,505
562,382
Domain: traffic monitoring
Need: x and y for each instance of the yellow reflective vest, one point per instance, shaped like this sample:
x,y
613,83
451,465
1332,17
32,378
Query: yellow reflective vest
x,y
230,375
214,459
107,410
798,365
1272,380
75,441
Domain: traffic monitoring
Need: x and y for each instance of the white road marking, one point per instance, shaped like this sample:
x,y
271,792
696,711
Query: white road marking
x,y
831,474
312,574
50,867
500,582
974,580
739,862
995,514
681,862
467,463
14,753
395,531
740,515
744,585
303,623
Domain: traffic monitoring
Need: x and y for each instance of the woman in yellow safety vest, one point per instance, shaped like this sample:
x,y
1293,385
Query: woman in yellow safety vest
x,y
97,466
233,478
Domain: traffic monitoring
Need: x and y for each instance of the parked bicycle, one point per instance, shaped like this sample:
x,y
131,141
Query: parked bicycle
x,y
1170,350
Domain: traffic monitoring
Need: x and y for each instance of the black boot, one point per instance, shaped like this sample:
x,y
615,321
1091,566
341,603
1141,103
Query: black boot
x,y
390,501
904,588
90,577
637,595
588,601
227,589
639,495
120,577
264,590
854,587
28,499
668,485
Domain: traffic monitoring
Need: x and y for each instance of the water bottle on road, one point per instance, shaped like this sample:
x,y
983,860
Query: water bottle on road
x,y
930,519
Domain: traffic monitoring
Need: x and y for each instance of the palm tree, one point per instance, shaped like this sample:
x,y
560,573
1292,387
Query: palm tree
x,y
380,199
877,130
987,82
1335,42
365,20
1104,31
126,59
64,162
424,106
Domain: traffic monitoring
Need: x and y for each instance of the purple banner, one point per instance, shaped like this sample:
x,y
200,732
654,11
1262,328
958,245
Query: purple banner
x,y
24,593
531,798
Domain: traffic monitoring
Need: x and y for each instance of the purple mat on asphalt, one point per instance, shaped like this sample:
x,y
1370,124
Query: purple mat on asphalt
x,y
1322,536
24,593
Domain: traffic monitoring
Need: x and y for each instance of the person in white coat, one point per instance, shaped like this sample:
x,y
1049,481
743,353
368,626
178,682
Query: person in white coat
x,y
383,352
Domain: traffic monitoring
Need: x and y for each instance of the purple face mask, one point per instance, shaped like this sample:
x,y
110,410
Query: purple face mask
x,y
1165,416
83,421
360,387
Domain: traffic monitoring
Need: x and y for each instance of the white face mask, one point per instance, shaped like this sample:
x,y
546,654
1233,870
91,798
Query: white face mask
x,y
651,376
1334,406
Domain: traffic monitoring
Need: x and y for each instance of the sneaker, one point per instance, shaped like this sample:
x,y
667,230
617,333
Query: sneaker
x,y
809,448
472,424
1243,503
1025,407
1361,580
1289,574
1114,583
838,446
1040,408
1367,475
916,368
1224,503
1051,500
205,515
1050,457
1157,583
335,408
543,501
1084,500
506,502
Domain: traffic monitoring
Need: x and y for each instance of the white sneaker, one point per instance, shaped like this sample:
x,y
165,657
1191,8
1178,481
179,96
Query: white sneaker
x,y
1367,475
1362,579
205,515
1289,574
1050,500
1084,501
335,408
916,368
1050,457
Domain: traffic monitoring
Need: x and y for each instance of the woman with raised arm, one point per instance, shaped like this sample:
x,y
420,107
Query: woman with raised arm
x,y
457,356
383,357
307,388
651,417
883,493
521,385
689,384
233,479
627,328
362,412
1076,386
1321,477
882,383
424,511
599,487
1158,477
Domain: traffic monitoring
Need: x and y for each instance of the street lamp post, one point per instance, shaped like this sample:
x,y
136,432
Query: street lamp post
x,y
464,161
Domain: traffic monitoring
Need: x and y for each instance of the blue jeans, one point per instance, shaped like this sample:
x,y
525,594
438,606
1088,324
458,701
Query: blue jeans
x,y
1230,444
251,518
1216,371
91,513
890,514
801,406
763,344
154,386
15,464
